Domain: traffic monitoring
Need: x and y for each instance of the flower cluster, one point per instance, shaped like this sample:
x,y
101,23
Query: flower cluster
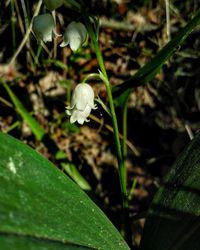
x,y
44,28
75,36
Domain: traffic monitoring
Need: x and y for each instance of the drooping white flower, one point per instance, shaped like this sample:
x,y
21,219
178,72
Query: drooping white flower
x,y
44,27
81,104
75,35
53,4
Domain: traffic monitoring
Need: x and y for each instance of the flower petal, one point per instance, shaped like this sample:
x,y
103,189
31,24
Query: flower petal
x,y
75,43
43,27
64,44
75,35
80,120
84,95
73,117
69,112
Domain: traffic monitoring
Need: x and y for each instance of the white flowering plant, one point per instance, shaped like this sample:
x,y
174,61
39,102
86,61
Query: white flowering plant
x,y
43,209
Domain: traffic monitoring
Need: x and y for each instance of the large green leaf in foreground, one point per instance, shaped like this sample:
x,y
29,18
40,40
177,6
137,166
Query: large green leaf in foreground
x,y
41,208
173,222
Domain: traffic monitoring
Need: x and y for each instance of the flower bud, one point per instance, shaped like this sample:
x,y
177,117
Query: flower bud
x,y
82,103
44,27
75,35
53,4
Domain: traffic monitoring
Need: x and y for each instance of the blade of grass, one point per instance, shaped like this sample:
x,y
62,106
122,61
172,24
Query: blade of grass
x,y
37,130
149,70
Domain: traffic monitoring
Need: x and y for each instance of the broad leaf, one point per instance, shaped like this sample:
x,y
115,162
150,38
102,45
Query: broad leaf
x,y
173,221
41,208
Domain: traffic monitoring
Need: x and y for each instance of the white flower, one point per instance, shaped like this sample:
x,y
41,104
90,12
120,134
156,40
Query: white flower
x,y
44,27
75,35
53,4
82,103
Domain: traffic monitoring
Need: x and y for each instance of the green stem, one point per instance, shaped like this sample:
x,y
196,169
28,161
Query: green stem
x,y
124,128
122,170
104,77
90,76
121,163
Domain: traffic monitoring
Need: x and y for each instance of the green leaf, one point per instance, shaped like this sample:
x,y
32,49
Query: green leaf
x,y
41,208
13,242
149,70
37,130
173,221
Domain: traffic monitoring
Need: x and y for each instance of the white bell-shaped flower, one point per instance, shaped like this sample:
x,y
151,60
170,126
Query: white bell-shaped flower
x,y
53,4
75,35
44,27
82,103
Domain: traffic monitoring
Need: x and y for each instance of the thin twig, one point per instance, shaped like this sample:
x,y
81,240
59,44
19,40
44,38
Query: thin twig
x,y
55,38
23,42
189,131
19,18
168,26
28,44
4,101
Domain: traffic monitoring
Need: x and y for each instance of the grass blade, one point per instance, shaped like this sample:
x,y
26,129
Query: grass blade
x,y
36,128
149,70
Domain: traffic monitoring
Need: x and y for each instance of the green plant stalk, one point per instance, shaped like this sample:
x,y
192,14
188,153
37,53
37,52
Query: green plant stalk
x,y
121,164
104,77
13,126
90,76
124,155
131,192
124,129
36,59
120,158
